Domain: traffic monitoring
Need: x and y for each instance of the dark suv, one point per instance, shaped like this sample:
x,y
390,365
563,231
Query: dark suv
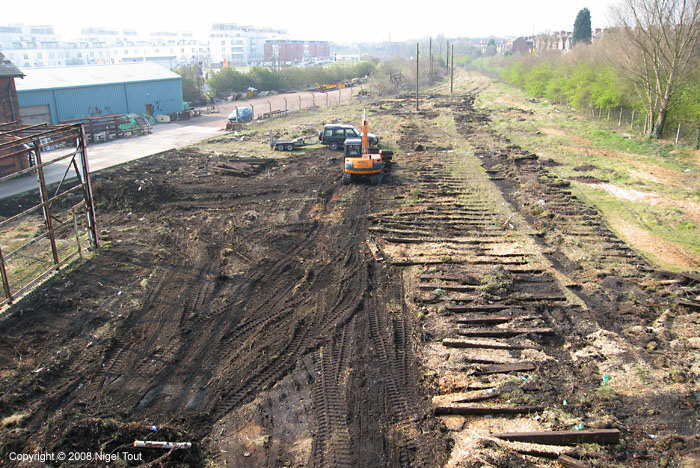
x,y
334,135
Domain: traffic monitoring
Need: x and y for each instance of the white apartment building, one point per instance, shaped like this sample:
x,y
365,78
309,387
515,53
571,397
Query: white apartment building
x,y
30,46
39,46
239,45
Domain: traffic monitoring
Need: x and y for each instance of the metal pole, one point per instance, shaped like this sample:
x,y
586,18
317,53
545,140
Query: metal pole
x,y
269,105
678,133
452,74
417,74
430,58
89,202
252,111
44,199
447,56
77,234
5,281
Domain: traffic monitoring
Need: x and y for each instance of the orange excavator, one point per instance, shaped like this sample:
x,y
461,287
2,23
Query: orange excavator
x,y
362,162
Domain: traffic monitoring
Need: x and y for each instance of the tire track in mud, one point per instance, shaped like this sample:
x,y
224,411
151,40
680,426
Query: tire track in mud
x,y
314,325
212,330
332,442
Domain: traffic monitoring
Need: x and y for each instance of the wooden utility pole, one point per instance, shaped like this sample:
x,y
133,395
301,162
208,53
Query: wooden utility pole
x,y
452,73
430,58
417,76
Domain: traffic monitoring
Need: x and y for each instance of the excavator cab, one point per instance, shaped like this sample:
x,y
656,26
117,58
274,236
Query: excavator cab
x,y
362,162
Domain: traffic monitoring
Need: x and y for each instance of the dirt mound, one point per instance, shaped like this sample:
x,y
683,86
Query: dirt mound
x,y
137,195
550,163
585,168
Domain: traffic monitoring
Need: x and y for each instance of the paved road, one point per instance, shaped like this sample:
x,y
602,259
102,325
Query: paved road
x,y
169,136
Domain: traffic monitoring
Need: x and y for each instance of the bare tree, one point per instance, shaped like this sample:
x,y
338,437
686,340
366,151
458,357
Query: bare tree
x,y
658,44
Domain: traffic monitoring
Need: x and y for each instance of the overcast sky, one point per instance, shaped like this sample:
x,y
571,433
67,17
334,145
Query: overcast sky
x,y
351,21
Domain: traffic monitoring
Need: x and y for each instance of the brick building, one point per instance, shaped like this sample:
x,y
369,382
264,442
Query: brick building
x,y
9,105
289,52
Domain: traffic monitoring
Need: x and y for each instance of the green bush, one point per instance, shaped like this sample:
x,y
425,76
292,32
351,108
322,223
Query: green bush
x,y
580,85
228,80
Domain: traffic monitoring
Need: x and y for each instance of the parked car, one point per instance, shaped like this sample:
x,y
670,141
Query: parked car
x,y
241,114
334,136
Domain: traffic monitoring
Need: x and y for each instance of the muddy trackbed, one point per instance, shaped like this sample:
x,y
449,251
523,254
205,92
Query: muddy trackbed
x,y
276,317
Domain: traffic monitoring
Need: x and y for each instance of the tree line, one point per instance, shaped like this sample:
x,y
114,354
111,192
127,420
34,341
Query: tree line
x,y
228,80
648,62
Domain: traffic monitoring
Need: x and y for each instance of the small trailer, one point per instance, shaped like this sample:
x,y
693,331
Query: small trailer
x,y
287,145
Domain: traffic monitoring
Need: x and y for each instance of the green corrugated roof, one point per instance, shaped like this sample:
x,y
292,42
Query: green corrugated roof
x,y
91,75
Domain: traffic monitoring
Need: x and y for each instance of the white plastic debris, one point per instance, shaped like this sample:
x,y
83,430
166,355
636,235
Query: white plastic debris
x,y
161,444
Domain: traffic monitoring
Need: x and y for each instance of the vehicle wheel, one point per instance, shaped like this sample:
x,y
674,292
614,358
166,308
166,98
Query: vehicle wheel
x,y
334,146
278,148
289,147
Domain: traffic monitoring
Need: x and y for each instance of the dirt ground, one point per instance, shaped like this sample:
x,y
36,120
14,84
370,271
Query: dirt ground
x,y
273,316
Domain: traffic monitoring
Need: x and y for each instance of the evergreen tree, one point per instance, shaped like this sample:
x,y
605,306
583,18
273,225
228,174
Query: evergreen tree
x,y
192,82
582,27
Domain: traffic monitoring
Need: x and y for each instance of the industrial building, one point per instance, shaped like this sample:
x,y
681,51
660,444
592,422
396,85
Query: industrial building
x,y
9,105
58,94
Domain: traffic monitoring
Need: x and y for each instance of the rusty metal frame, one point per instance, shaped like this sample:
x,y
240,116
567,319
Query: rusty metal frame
x,y
17,139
